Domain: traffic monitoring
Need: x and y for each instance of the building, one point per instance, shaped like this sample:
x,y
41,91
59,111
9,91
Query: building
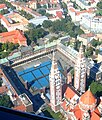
x,y
32,4
84,107
76,15
57,11
55,86
96,71
86,38
15,37
80,72
93,24
14,21
2,6
38,20
85,4
20,101
25,105
69,101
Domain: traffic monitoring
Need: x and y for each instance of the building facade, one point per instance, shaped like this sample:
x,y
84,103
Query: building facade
x,y
80,72
55,86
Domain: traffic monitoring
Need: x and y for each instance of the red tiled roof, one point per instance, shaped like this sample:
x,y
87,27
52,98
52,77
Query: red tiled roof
x,y
88,98
3,89
2,6
95,116
88,35
20,107
15,36
63,105
78,114
59,14
69,93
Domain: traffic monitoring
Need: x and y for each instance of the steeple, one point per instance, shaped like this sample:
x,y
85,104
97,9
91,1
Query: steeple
x,y
80,71
55,86
81,51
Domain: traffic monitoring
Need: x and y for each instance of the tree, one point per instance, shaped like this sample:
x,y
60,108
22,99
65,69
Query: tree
x,y
96,88
65,10
53,38
42,11
94,43
47,24
38,5
31,26
99,8
99,5
89,52
5,101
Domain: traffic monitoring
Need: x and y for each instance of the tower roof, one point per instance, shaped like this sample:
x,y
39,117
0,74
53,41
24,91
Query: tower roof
x,y
54,62
81,51
88,98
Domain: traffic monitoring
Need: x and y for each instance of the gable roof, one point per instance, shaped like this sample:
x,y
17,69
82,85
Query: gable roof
x,y
15,36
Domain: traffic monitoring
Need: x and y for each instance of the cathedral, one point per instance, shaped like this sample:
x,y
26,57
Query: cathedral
x,y
76,103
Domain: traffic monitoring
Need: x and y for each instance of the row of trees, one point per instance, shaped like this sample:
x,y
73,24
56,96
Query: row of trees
x,y
5,101
99,8
64,25
26,15
34,33
8,4
43,12
2,28
7,48
5,11
95,43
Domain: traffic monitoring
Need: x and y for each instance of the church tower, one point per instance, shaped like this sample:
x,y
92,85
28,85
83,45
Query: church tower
x,y
55,86
80,71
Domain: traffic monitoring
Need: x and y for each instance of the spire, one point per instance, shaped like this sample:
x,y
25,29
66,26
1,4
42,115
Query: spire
x,y
81,51
55,85
53,56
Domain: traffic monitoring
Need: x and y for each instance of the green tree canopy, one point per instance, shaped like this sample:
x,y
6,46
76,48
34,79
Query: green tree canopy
x,y
99,4
96,88
47,23
42,11
5,101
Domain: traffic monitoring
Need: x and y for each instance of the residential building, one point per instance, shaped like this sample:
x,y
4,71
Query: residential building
x,y
76,15
85,4
80,71
86,38
32,4
2,6
96,72
15,37
14,21
20,101
99,58
38,20
93,24
55,86
57,12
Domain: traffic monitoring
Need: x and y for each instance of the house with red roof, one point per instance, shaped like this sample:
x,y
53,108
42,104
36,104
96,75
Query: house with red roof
x,y
15,37
2,6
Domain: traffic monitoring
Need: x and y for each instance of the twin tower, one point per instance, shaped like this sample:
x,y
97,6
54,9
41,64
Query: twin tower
x,y
56,81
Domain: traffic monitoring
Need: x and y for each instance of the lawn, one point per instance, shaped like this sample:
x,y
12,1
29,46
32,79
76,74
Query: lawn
x,y
49,113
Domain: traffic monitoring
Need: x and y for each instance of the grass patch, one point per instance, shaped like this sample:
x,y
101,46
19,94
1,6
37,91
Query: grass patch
x,y
49,113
